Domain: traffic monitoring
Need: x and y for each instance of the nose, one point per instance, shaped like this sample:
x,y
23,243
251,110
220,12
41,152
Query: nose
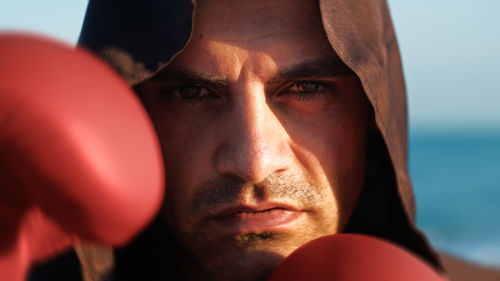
x,y
256,143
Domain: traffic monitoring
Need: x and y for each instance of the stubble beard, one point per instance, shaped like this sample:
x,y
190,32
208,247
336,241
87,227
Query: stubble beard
x,y
247,256
243,257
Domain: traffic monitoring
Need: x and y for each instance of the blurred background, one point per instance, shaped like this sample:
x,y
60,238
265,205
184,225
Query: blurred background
x,y
451,59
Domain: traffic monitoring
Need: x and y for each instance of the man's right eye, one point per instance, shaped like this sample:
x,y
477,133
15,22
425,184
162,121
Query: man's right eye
x,y
188,92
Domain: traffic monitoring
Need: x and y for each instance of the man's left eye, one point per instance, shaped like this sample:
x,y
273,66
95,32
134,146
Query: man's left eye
x,y
309,90
307,87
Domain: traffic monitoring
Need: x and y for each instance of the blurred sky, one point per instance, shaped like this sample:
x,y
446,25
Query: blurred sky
x,y
451,57
450,49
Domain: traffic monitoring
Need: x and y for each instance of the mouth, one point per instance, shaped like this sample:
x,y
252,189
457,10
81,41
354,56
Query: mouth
x,y
246,219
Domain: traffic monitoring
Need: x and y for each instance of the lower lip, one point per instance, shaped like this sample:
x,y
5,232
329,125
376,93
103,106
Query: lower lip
x,y
245,222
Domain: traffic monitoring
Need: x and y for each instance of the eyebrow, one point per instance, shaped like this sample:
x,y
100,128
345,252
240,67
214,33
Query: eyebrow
x,y
322,67
329,66
187,76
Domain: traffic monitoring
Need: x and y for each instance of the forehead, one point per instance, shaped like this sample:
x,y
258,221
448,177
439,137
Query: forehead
x,y
280,32
246,20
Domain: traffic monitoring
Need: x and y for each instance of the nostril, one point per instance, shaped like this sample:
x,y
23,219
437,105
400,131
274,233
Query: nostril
x,y
252,164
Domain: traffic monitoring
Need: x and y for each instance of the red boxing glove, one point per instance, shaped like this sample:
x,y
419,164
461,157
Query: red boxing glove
x,y
79,158
353,257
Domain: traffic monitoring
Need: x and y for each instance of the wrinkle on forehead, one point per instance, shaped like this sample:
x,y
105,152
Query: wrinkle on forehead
x,y
250,21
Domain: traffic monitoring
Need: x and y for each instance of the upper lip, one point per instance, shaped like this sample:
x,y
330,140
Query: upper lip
x,y
230,211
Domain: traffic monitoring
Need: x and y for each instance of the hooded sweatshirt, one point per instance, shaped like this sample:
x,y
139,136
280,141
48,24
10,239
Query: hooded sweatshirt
x,y
139,38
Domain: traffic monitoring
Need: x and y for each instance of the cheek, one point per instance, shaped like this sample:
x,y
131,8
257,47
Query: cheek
x,y
332,148
187,158
335,156
345,162
187,145
342,147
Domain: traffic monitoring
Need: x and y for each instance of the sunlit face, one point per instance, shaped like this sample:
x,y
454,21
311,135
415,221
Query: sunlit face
x,y
263,131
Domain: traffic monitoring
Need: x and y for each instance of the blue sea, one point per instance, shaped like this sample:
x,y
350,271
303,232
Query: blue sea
x,y
456,178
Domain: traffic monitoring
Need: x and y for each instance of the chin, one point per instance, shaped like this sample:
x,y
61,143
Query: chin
x,y
247,257
243,265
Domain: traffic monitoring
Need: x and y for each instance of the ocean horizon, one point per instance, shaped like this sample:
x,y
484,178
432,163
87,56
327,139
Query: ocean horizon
x,y
456,180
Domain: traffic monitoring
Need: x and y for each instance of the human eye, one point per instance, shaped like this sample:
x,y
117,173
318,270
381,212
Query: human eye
x,y
309,90
188,92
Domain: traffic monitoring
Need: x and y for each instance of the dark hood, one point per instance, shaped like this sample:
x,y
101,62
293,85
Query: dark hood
x,y
138,38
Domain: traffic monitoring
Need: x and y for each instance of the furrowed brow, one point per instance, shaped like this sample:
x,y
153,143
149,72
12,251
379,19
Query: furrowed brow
x,y
330,66
191,77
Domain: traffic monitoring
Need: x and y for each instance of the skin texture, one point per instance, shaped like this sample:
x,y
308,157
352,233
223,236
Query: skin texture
x,y
258,120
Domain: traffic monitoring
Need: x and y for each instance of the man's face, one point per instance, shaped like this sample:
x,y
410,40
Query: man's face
x,y
263,131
